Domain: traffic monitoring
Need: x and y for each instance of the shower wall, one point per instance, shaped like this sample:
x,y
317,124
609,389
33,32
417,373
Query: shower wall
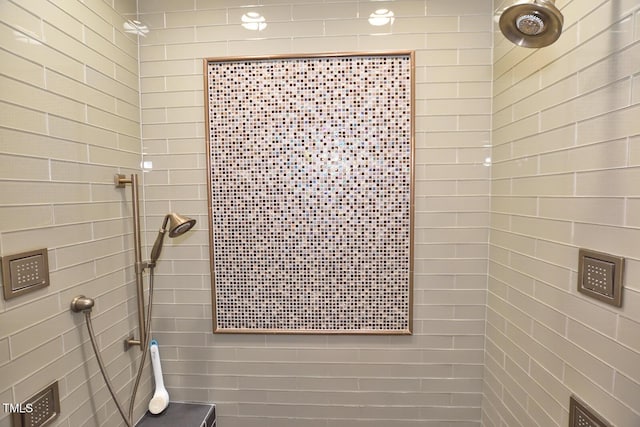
x,y
566,167
566,156
69,120
432,378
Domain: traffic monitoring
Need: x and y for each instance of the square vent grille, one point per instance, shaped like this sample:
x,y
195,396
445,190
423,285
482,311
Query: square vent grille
x,y
580,415
24,272
600,276
41,409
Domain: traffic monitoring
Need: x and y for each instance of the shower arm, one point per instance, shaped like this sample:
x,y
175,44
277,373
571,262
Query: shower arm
x,y
121,181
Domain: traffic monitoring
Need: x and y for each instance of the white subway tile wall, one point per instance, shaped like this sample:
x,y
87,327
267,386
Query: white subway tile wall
x,y
69,121
564,176
433,378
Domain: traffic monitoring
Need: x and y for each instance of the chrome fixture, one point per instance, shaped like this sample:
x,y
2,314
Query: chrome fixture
x,y
532,23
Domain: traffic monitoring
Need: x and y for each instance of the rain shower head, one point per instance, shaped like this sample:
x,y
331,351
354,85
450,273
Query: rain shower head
x,y
176,225
532,23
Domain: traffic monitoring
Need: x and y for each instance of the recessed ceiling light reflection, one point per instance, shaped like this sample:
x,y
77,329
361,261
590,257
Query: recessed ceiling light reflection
x,y
381,17
25,38
253,21
133,26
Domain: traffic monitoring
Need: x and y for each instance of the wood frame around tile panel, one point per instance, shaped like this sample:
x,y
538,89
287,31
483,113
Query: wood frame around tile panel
x,y
206,61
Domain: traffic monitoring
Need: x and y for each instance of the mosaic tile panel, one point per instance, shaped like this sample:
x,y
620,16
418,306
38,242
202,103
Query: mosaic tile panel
x,y
311,193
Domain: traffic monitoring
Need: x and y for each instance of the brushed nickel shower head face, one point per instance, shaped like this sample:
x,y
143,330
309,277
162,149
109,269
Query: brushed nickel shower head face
x,y
179,224
532,24
176,225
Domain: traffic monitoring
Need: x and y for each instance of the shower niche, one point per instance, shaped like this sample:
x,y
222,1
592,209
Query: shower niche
x,y
310,162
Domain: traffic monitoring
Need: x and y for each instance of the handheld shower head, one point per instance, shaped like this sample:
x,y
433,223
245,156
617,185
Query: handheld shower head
x,y
176,225
532,23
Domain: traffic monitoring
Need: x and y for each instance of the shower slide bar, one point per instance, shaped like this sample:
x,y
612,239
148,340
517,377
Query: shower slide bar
x,y
173,224
121,181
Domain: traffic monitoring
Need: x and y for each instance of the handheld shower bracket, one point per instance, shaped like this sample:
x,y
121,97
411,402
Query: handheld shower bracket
x,y
129,342
140,267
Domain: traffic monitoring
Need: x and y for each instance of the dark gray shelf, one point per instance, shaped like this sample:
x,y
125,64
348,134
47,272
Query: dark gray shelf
x,y
182,414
